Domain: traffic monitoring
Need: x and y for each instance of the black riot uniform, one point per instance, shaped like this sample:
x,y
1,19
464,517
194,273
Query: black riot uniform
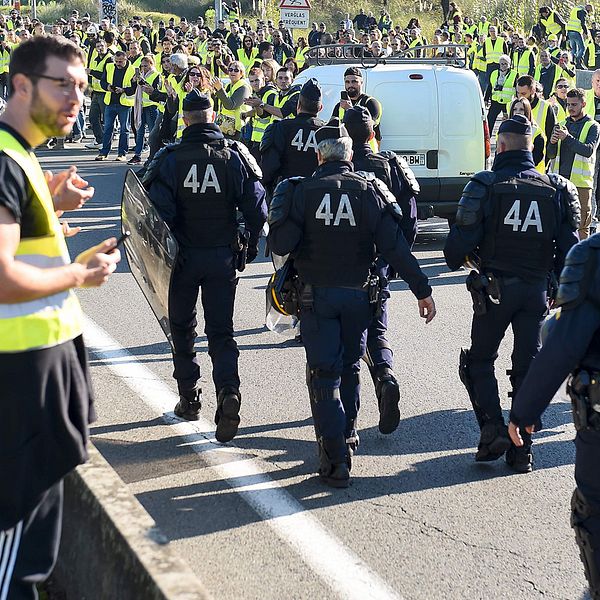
x,y
400,180
332,223
289,147
572,345
517,225
197,186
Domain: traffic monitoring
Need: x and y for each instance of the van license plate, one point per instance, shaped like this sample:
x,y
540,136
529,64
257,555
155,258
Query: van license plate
x,y
414,160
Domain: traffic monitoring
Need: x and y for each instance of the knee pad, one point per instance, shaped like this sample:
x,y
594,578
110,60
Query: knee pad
x,y
589,545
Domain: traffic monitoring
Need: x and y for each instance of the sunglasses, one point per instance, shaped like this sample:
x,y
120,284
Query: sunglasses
x,y
194,74
562,86
233,70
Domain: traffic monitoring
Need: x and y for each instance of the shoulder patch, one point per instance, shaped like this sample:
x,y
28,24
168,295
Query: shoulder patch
x,y
469,206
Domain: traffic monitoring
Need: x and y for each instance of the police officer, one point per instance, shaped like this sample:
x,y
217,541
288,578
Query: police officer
x,y
520,224
331,223
572,345
400,180
196,186
289,147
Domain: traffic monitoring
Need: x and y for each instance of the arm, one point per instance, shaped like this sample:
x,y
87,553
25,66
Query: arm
x,y
550,122
538,149
591,142
235,100
374,108
286,217
271,149
163,188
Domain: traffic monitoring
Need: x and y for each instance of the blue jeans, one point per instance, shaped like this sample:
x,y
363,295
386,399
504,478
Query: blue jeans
x,y
111,112
79,125
577,46
149,115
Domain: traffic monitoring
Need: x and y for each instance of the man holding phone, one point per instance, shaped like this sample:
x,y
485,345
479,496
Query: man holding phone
x,y
46,399
353,95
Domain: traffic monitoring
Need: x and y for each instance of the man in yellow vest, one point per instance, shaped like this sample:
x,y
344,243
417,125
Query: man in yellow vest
x,y
574,143
494,47
5,50
591,57
119,90
98,58
501,90
265,93
46,401
551,23
547,73
523,58
577,31
541,111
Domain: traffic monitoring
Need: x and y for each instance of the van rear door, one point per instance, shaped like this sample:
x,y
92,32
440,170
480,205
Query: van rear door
x,y
409,97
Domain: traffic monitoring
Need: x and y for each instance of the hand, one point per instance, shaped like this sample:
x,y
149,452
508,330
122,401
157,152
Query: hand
x,y
427,309
187,86
69,231
514,432
69,191
251,253
560,134
345,104
147,88
118,90
252,101
216,83
99,262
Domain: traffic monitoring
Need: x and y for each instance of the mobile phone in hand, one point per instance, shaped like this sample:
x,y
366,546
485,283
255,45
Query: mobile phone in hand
x,y
344,95
120,241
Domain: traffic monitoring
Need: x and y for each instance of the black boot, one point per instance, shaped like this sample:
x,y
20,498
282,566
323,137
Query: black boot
x,y
333,456
352,443
189,405
388,397
520,459
227,417
494,441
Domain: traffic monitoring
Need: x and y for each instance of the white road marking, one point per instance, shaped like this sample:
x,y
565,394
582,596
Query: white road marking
x,y
342,571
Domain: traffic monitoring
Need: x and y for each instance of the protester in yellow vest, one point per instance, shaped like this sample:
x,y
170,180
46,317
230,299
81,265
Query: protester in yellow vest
x,y
501,90
265,93
577,31
5,51
232,99
248,53
301,51
46,401
574,143
119,90
521,106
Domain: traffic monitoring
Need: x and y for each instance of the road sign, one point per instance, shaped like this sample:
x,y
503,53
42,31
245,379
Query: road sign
x,y
296,4
294,18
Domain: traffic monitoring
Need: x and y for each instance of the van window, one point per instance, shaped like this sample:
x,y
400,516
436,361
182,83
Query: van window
x,y
408,107
458,109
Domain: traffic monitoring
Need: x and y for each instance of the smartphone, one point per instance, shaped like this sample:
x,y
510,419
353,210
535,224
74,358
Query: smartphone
x,y
121,240
344,95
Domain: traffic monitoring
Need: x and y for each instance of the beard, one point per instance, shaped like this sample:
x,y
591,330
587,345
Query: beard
x,y
45,119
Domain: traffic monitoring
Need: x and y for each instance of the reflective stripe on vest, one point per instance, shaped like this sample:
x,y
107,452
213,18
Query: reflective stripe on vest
x,y
260,124
129,74
98,65
557,74
493,50
540,114
582,171
146,97
574,24
523,62
551,26
49,321
505,95
235,114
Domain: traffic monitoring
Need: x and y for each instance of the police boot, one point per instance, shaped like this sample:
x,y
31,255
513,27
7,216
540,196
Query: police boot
x,y
189,405
388,397
227,417
352,442
333,457
520,459
494,441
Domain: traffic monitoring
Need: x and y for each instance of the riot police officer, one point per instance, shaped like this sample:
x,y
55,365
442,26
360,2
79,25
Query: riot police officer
x,y
288,147
331,223
400,180
517,225
197,186
572,345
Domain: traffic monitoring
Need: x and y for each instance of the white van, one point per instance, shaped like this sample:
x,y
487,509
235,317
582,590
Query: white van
x,y
433,116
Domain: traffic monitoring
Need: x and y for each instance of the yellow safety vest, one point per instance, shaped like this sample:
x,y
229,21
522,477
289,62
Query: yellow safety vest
x,y
591,48
247,61
4,59
146,97
281,100
493,50
479,63
235,114
181,93
301,56
506,94
582,171
540,114
96,65
44,322
558,73
483,27
260,124
137,62
590,104
202,49
522,62
470,29
129,74
574,24
552,27
372,142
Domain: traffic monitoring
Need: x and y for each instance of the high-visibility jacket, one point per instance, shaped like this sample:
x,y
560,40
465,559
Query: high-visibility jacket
x,y
550,24
4,59
129,74
136,62
150,78
471,29
506,94
301,56
247,61
590,104
202,49
235,114
493,50
260,124
539,113
372,142
479,63
521,61
582,171
558,73
574,24
52,320
483,27
591,54
537,132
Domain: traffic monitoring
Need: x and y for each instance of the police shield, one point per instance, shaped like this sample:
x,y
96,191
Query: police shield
x,y
151,249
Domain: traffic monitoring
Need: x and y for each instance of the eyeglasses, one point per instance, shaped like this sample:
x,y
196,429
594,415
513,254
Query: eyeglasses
x,y
561,87
233,70
65,84
194,74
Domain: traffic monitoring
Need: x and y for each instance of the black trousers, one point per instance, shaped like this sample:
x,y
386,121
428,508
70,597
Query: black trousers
x,y
29,550
495,109
210,270
522,306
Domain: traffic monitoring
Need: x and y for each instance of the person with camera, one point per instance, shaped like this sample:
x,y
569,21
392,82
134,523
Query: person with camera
x,y
501,90
515,226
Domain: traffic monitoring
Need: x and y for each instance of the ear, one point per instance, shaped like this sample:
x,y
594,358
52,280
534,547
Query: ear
x,y
22,85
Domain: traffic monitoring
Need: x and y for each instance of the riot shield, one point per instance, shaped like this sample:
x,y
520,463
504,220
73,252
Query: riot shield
x,y
151,249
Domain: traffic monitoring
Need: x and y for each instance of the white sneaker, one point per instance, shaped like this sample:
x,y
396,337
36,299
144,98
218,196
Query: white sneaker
x,y
93,146
121,158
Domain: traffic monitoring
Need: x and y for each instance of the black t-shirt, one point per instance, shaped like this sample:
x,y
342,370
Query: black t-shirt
x,y
16,193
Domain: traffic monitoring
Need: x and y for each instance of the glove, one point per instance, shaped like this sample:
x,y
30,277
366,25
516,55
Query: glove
x,y
252,253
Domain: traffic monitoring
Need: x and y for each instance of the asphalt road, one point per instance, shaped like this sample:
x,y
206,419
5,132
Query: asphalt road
x,y
421,520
